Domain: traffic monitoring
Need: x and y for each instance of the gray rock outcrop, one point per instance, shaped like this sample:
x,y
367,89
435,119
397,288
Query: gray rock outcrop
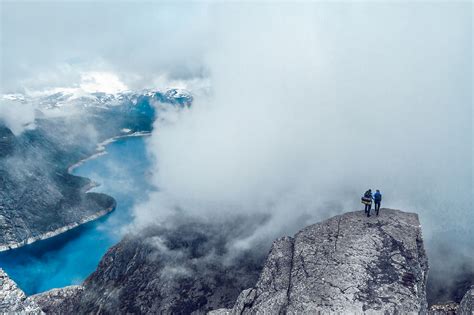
x,y
52,301
13,300
466,307
347,264
175,271
448,308
38,197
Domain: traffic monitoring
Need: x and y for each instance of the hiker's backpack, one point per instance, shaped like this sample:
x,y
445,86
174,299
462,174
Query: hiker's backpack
x,y
366,200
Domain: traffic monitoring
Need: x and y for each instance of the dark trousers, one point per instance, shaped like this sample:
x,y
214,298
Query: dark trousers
x,y
377,207
367,209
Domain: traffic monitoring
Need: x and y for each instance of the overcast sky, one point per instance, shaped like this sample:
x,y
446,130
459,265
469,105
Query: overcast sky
x,y
48,44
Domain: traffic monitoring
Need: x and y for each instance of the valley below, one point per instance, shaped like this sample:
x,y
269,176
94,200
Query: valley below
x,y
71,256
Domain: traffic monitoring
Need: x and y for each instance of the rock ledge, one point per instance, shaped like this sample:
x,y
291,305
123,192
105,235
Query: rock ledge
x,y
346,264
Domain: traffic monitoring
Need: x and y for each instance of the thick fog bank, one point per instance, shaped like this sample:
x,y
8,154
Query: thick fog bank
x,y
310,105
313,104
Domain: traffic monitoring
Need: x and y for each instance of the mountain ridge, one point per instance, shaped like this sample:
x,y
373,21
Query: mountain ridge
x,y
39,197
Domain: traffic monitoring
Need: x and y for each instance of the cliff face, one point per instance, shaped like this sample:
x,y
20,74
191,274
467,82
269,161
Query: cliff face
x,y
347,264
52,301
13,300
38,196
7,141
170,272
467,303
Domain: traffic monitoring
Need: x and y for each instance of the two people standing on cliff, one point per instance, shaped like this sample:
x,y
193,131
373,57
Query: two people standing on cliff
x,y
367,200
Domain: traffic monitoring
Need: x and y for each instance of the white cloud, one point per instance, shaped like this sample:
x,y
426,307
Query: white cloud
x,y
314,103
135,42
101,82
17,116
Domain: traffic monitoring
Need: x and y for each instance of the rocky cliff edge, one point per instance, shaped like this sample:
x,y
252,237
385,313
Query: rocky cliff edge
x,y
346,264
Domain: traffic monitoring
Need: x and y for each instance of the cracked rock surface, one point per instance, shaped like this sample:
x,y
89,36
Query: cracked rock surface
x,y
466,307
52,301
13,299
39,198
346,264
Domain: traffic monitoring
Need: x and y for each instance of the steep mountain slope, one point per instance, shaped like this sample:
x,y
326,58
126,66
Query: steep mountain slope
x,y
38,196
348,263
13,300
467,303
179,271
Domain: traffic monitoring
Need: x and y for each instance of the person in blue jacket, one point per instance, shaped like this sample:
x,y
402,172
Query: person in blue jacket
x,y
377,201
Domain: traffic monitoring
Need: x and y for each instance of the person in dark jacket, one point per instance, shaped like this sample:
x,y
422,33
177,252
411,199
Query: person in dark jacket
x,y
367,200
377,201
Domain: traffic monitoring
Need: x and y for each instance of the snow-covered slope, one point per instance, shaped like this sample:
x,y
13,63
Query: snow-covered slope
x,y
66,97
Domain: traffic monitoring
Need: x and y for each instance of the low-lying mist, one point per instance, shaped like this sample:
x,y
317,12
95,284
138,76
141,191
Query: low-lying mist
x,y
311,105
17,117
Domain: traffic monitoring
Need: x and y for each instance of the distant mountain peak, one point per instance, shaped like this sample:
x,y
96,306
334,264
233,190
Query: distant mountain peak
x,y
62,97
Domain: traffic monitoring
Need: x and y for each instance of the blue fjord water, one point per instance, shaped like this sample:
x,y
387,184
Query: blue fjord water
x,y
70,257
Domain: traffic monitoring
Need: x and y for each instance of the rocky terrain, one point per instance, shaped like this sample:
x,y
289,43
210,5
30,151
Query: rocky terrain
x,y
39,198
447,293
52,301
166,271
465,306
13,300
467,303
346,264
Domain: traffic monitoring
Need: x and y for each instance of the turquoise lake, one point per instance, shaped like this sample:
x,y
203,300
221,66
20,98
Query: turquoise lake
x,y
72,256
